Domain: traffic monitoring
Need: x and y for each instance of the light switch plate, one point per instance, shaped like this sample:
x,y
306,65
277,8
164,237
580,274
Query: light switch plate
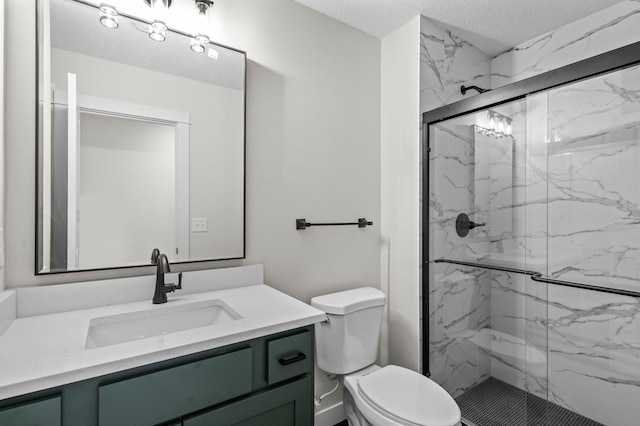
x,y
199,224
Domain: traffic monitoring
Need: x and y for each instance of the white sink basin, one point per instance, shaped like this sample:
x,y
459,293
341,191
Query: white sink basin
x,y
121,328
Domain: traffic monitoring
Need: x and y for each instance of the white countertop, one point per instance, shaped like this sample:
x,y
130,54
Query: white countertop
x,y
43,350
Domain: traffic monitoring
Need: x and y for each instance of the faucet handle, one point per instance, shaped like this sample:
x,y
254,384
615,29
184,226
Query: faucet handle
x,y
169,288
155,253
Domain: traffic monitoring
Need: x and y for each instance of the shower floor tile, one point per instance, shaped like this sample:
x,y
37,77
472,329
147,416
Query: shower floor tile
x,y
496,403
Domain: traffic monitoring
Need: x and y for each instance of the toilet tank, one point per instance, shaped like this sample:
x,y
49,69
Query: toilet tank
x,y
349,340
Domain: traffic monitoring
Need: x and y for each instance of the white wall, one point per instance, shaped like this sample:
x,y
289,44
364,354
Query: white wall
x,y
2,225
215,139
400,191
313,148
127,190
313,116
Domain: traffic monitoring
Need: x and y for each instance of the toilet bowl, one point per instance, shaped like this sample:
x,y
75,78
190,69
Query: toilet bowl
x,y
396,396
347,345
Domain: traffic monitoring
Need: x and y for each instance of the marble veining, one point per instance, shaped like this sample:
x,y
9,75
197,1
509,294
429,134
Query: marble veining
x,y
571,212
601,32
557,199
447,62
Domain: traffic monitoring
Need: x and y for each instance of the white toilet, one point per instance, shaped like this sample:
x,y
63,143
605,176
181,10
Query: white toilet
x,y
379,396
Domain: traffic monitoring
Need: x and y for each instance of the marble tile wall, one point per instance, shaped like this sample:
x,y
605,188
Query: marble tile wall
x,y
458,296
594,354
447,62
459,307
598,33
474,173
576,216
588,171
593,180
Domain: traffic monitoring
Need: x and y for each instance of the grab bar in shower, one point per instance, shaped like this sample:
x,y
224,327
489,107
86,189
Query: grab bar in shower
x,y
537,276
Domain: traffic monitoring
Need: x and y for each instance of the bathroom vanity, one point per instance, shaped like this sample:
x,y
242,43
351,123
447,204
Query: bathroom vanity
x,y
252,365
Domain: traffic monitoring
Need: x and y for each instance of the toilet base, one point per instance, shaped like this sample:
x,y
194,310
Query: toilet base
x,y
354,416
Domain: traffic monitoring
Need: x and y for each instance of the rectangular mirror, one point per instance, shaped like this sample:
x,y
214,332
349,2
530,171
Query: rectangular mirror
x,y
141,144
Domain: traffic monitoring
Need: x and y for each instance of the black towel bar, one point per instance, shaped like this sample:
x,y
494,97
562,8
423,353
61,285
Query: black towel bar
x,y
303,224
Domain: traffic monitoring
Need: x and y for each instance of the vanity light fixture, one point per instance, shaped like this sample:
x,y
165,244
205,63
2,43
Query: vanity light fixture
x,y
158,27
157,31
498,125
108,16
200,39
203,6
197,47
198,42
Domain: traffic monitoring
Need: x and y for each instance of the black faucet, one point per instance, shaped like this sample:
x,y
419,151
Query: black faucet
x,y
160,295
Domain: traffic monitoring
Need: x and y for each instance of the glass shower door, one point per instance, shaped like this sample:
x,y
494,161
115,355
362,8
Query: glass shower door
x,y
534,254
587,154
482,315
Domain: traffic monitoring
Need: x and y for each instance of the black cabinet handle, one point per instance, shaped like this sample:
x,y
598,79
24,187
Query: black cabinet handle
x,y
293,359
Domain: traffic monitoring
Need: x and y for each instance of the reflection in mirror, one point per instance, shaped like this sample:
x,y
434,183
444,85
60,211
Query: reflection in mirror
x,y
141,143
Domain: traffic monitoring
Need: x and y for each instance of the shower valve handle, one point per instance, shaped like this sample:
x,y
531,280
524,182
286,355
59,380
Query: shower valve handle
x,y
464,225
475,225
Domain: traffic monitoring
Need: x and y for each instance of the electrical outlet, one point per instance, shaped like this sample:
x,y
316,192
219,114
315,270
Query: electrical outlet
x,y
199,224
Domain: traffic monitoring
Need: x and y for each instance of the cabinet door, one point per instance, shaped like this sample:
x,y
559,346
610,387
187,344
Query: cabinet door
x,y
46,412
169,394
287,405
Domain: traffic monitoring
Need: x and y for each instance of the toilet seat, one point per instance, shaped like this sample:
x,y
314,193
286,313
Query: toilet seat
x,y
408,398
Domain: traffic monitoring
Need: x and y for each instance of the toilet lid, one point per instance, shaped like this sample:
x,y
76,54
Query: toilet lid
x,y
408,397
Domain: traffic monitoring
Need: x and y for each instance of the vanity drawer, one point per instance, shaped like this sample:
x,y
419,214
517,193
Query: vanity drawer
x,y
289,356
168,394
45,412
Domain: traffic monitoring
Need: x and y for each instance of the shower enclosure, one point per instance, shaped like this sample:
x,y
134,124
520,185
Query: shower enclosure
x,y
531,286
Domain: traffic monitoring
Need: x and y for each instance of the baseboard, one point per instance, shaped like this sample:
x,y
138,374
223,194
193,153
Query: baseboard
x,y
331,415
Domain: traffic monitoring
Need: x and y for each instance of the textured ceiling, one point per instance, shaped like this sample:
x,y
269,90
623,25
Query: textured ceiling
x,y
493,26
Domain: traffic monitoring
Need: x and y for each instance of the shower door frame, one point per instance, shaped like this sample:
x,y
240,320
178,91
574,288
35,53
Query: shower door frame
x,y
604,63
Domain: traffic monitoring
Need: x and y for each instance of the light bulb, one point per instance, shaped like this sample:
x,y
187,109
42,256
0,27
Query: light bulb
x,y
508,130
197,47
201,38
202,22
159,9
157,31
108,16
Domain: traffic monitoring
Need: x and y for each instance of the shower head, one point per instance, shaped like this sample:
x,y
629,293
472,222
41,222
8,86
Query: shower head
x,y
464,89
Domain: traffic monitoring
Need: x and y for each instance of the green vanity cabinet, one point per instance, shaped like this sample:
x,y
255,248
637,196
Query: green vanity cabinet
x,y
264,381
45,412
286,405
288,357
159,396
